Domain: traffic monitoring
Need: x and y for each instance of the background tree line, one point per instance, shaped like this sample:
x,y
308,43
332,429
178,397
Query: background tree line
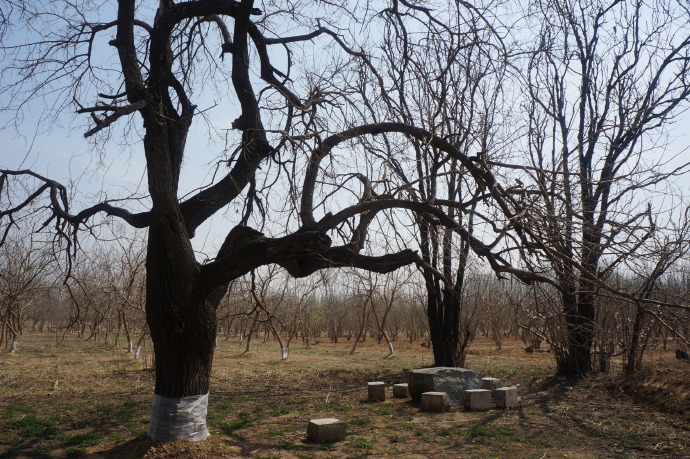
x,y
106,303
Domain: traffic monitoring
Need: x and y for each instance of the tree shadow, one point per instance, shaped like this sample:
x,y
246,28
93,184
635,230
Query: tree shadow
x,y
135,448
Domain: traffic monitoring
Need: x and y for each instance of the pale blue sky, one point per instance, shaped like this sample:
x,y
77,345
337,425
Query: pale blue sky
x,y
61,153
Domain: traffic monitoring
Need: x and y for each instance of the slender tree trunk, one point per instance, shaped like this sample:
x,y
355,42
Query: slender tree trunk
x,y
362,331
13,345
381,325
127,332
637,344
249,335
631,364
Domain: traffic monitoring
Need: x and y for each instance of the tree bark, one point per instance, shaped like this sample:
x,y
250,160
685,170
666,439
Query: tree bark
x,y
182,323
448,342
579,332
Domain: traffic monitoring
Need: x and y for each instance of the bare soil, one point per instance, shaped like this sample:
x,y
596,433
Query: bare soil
x,y
76,398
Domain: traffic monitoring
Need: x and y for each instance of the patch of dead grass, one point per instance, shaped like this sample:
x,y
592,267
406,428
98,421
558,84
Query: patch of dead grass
x,y
85,388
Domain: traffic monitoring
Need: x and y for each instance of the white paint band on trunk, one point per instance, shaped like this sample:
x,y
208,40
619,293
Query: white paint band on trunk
x,y
184,417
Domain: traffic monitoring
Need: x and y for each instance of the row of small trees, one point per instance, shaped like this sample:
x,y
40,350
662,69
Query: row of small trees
x,y
104,300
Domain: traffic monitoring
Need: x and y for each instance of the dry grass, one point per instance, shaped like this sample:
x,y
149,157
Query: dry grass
x,y
84,398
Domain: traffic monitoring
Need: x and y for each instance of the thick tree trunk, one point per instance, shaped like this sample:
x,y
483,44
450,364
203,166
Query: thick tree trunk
x,y
444,304
444,307
184,356
449,351
579,312
443,343
580,308
183,359
444,356
183,330
181,320
448,343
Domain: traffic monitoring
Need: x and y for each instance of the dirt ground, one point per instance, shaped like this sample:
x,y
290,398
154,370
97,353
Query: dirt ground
x,y
76,398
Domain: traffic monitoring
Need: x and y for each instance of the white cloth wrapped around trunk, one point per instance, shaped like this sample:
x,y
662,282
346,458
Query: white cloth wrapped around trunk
x,y
184,417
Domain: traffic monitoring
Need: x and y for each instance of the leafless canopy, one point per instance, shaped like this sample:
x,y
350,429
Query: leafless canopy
x,y
293,132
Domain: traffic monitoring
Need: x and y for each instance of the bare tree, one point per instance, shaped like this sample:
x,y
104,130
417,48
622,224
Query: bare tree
x,y
387,298
334,307
450,81
604,78
25,269
285,167
375,296
494,301
126,279
667,251
282,305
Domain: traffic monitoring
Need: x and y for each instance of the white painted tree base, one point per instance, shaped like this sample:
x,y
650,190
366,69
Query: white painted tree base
x,y
184,417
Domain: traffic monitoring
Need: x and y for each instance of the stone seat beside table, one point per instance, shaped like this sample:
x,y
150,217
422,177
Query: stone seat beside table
x,y
325,430
425,386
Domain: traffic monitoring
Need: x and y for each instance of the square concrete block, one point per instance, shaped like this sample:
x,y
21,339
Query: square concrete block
x,y
491,383
377,391
435,402
400,390
506,397
325,430
477,399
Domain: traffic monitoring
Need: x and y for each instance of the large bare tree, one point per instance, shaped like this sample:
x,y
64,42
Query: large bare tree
x,y
604,79
448,77
144,72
